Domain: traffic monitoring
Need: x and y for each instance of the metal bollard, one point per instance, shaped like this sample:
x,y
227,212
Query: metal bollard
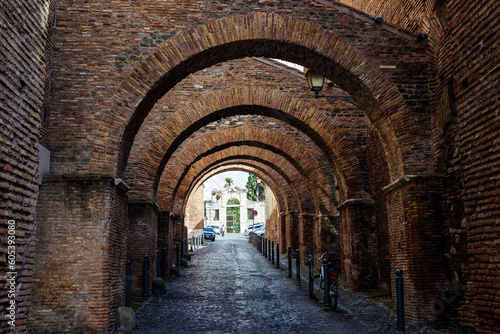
x,y
272,253
278,255
164,267
326,280
269,249
178,251
265,247
127,280
311,277
157,263
400,301
297,265
191,244
289,262
146,278
183,241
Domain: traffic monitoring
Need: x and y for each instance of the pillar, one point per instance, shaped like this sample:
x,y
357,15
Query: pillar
x,y
79,265
166,236
358,245
142,240
416,241
306,235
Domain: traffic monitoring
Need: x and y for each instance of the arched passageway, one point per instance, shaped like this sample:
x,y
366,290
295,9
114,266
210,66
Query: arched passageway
x,y
306,176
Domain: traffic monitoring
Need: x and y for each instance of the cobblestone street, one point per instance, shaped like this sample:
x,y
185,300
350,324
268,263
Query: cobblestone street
x,y
230,287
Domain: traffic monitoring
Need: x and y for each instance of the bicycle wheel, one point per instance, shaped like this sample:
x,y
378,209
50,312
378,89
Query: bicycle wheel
x,y
334,295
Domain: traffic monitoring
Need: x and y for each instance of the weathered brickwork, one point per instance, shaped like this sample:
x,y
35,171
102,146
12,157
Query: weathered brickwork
x,y
194,213
80,255
142,91
142,240
23,38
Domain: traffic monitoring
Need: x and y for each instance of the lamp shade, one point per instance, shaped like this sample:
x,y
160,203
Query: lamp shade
x,y
315,80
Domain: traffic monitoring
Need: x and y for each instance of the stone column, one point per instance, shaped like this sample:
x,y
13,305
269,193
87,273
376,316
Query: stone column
x,y
416,240
80,259
358,244
142,240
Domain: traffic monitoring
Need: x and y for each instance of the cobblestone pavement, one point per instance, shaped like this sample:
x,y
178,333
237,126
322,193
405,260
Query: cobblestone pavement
x,y
229,287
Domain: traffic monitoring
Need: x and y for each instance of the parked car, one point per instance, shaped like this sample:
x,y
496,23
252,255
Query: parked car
x,y
209,233
260,230
252,228
216,229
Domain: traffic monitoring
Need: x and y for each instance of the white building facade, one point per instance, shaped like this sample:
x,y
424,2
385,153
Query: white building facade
x,y
234,211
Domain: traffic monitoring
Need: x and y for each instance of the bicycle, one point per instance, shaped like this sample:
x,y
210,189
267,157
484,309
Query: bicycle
x,y
333,279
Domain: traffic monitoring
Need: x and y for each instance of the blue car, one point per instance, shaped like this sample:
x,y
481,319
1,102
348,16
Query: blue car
x,y
209,233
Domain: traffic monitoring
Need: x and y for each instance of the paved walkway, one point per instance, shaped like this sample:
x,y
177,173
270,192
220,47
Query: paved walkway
x,y
229,287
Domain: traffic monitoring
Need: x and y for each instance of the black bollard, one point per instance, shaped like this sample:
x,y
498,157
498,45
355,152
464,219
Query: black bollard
x,y
127,289
178,251
265,247
157,263
400,301
278,255
326,280
146,277
297,265
272,253
183,242
311,277
269,249
191,242
164,267
289,262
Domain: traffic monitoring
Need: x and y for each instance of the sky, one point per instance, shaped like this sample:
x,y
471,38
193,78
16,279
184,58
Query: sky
x,y
240,180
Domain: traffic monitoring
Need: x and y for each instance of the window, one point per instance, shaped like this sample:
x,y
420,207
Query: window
x,y
216,214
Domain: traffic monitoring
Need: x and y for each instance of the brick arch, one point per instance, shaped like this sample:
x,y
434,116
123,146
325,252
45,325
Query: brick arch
x,y
244,166
291,198
261,34
257,136
247,100
298,186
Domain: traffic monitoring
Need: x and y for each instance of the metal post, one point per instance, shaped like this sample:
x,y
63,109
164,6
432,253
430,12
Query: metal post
x,y
157,263
297,265
164,267
272,253
178,251
269,249
183,243
289,262
127,289
311,277
278,255
265,247
400,301
326,280
146,278
191,243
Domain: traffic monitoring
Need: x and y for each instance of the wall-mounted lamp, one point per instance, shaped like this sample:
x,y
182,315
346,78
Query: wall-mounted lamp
x,y
315,81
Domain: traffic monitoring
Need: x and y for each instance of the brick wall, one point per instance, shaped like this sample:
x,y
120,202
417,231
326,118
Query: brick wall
x,y
194,210
80,255
23,36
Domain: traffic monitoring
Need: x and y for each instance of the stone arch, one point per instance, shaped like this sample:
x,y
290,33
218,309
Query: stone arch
x,y
261,34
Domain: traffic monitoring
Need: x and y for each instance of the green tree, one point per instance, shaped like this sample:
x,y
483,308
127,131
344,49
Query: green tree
x,y
255,185
229,182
